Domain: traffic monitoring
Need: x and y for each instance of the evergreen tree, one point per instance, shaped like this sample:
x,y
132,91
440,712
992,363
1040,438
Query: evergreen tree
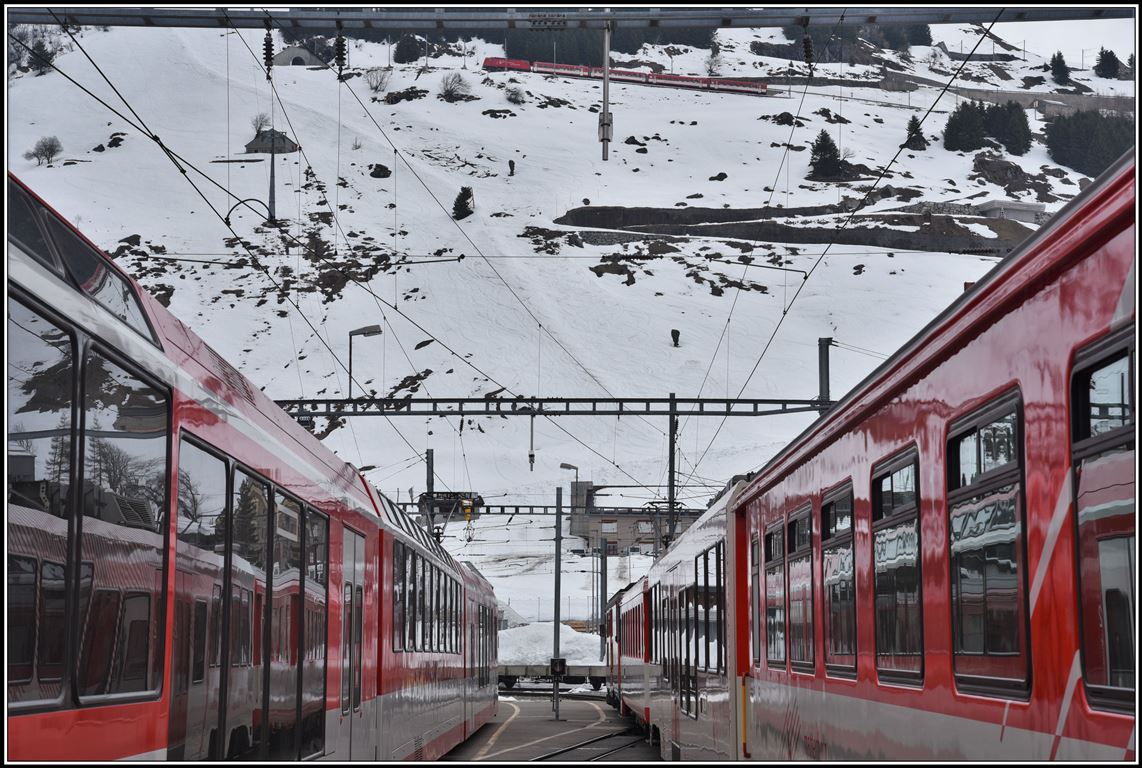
x,y
916,140
1130,65
965,129
1017,132
462,206
919,34
42,56
824,157
408,50
1088,141
1107,64
1060,72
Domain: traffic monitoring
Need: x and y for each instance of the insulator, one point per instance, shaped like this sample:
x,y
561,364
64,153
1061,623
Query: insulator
x,y
807,43
268,52
339,51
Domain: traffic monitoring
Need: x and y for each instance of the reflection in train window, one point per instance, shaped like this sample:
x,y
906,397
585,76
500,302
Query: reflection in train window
x,y
41,381
1106,518
989,629
896,570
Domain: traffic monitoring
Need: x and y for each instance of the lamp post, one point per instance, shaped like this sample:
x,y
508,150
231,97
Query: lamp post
x,y
368,330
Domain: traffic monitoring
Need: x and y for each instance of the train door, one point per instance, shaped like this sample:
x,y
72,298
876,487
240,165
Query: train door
x,y
675,640
469,668
354,731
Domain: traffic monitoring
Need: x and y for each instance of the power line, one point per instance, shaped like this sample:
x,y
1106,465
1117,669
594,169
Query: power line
x,y
141,126
820,258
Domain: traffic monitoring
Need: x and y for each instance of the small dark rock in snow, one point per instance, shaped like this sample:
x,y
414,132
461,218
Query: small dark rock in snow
x,y
378,171
720,177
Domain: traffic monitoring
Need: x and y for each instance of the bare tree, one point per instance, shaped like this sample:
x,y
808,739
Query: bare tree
x,y
260,122
453,87
515,95
714,64
377,79
45,151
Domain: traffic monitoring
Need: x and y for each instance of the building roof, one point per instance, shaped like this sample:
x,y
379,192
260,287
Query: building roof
x,y
1010,205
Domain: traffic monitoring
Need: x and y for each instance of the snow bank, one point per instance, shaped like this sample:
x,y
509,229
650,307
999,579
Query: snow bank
x,y
531,644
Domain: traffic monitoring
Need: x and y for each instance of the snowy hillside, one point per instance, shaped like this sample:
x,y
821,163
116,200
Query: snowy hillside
x,y
606,310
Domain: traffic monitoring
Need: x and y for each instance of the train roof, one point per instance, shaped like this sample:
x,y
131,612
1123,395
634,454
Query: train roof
x,y
184,348
1110,196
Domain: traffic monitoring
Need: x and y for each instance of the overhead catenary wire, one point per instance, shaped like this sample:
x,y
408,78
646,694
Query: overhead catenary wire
x,y
875,184
140,125
182,164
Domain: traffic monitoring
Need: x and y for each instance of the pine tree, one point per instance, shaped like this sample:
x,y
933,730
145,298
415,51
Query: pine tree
x,y
1107,65
42,56
916,140
919,34
824,158
407,51
462,206
1060,72
1088,141
965,129
1017,138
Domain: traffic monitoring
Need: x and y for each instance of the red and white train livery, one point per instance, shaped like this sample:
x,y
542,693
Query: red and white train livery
x,y
627,76
192,575
942,567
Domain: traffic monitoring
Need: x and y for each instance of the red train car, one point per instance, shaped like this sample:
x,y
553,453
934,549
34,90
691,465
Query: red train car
x,y
943,567
493,64
191,575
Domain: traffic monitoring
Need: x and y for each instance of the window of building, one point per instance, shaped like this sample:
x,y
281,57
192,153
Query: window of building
x,y
839,582
645,527
775,595
1106,510
896,570
800,564
985,509
609,526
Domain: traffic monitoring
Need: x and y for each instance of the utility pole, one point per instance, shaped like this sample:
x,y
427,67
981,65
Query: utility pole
x,y
558,575
602,596
673,432
430,515
606,125
823,345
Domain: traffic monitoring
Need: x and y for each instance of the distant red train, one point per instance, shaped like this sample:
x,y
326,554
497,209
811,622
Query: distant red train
x,y
944,566
626,75
192,575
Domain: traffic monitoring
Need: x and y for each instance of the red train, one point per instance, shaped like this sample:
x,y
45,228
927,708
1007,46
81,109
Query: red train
x,y
626,75
944,566
191,575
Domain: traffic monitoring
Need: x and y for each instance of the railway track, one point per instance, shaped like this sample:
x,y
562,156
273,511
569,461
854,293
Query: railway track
x,y
546,694
589,747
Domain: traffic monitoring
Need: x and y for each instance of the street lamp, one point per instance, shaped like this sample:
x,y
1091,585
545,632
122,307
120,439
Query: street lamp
x,y
565,465
368,330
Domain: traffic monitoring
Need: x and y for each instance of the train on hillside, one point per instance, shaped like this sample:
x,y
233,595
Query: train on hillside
x,y
943,567
757,88
191,574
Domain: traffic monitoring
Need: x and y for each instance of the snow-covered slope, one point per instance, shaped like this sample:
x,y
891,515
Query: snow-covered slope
x,y
601,332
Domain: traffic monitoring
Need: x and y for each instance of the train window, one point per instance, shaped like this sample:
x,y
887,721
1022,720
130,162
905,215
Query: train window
x,y
250,523
200,543
346,645
800,564
411,623
775,596
125,470
198,655
755,584
840,585
702,611
317,601
896,570
99,635
41,382
21,619
97,278
358,629
1106,508
285,668
24,228
398,596
421,604
720,606
989,626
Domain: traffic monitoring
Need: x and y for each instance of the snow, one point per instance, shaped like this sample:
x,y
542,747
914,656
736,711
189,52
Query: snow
x,y
532,644
198,89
